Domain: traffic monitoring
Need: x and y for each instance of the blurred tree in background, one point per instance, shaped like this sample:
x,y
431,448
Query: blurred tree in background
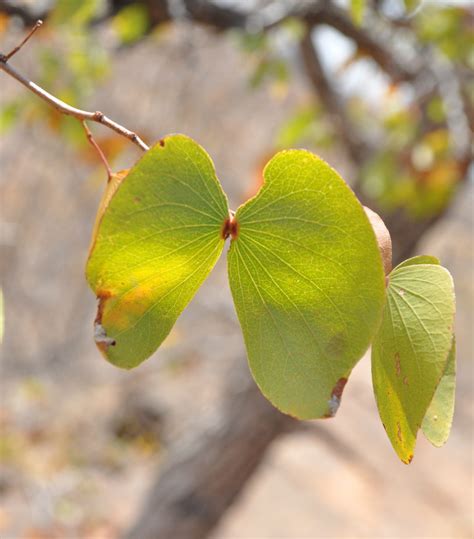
x,y
391,82
393,98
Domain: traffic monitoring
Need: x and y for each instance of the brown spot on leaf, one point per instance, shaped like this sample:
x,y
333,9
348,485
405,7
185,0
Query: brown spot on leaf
x,y
399,431
339,388
397,364
230,228
336,395
336,345
405,380
100,336
102,296
137,200
162,143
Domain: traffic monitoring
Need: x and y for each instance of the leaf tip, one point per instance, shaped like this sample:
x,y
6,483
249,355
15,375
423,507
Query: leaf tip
x,y
101,339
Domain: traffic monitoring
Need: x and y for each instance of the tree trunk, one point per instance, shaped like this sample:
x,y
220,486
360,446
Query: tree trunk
x,y
195,489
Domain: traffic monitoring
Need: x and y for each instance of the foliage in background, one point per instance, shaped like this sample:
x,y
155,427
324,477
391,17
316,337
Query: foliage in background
x,y
413,160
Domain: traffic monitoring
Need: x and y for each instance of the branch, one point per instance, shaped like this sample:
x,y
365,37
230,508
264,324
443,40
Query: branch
x,y
61,106
346,131
98,149
337,18
37,25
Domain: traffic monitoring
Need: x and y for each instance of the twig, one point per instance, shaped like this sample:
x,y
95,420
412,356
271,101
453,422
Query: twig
x,y
357,148
336,17
63,107
94,144
18,47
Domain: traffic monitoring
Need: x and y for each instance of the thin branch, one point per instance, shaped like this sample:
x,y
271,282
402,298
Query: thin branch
x,y
356,147
63,107
336,17
98,149
38,24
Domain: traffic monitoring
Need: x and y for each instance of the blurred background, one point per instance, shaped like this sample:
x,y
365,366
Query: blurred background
x,y
184,446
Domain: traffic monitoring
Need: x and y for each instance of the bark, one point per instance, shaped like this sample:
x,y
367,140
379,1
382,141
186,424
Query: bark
x,y
197,486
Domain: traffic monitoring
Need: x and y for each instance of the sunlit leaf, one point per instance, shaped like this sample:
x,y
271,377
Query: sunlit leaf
x,y
158,239
411,348
439,417
131,23
357,8
307,281
411,5
8,114
74,12
109,192
420,259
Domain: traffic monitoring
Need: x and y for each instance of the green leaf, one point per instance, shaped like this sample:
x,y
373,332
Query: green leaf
x,y
131,23
308,284
74,12
357,8
8,114
411,5
410,351
437,423
157,240
420,259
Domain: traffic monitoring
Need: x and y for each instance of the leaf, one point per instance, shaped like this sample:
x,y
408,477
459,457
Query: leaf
x,y
411,5
357,8
307,281
111,188
9,114
131,23
439,417
420,259
384,241
74,12
158,239
410,351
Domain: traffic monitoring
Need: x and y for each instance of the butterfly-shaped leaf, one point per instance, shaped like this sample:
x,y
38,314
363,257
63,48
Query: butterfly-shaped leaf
x,y
307,281
411,348
158,235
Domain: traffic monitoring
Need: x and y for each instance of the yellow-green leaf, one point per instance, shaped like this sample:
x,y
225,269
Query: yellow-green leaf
x,y
159,237
420,259
357,8
437,423
410,350
307,281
